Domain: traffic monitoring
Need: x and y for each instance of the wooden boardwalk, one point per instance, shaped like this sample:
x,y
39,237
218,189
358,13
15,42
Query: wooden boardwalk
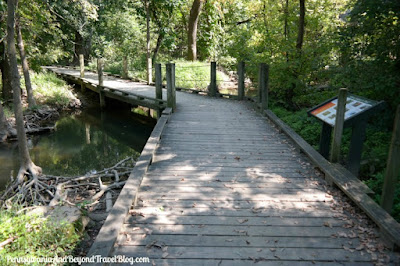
x,y
224,187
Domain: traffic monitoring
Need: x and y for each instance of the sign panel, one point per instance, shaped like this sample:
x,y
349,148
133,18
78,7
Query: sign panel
x,y
354,106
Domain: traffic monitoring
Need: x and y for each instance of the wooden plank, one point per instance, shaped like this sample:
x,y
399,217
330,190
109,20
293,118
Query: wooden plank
x,y
217,219
273,206
237,230
249,261
181,190
283,196
293,254
131,239
280,210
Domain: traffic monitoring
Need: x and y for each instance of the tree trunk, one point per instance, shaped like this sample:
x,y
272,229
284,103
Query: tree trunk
x,y
82,46
5,73
192,29
285,29
3,125
300,34
148,51
158,45
25,159
25,66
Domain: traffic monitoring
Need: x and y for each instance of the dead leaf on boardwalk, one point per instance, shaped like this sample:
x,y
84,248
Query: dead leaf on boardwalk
x,y
135,228
342,234
133,213
237,158
183,179
228,240
273,249
242,221
259,250
164,248
253,210
247,242
164,255
327,224
201,226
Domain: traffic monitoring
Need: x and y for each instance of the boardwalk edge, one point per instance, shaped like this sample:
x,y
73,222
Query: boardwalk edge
x,y
108,233
348,183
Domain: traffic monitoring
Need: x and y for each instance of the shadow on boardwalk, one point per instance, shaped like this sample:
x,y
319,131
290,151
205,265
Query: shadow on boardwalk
x,y
226,188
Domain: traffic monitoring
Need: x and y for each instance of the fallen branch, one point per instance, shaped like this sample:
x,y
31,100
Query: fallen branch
x,y
6,242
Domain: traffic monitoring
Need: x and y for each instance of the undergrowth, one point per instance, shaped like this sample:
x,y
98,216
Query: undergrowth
x,y
34,237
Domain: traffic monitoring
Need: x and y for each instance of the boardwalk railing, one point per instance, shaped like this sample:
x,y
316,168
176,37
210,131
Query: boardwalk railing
x,y
335,174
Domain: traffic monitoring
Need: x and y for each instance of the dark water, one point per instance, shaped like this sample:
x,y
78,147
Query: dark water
x,y
81,142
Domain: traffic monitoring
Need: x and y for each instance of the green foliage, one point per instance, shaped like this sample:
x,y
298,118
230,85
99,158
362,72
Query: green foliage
x,y
35,237
48,89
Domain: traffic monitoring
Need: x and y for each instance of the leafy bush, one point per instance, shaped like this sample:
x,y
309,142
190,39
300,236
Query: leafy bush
x,y
34,237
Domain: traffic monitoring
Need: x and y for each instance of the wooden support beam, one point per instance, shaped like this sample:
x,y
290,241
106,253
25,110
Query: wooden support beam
x,y
82,66
392,167
241,72
100,66
125,67
171,91
264,85
325,140
158,81
212,90
338,130
356,145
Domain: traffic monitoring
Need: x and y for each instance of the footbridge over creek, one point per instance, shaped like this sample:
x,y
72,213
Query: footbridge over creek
x,y
221,183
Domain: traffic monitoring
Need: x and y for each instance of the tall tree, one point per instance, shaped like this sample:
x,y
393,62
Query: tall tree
x,y
25,66
5,73
25,159
192,29
3,125
300,33
148,51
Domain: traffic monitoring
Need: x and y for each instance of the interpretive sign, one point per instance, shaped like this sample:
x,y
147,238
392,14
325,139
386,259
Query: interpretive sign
x,y
354,106
357,112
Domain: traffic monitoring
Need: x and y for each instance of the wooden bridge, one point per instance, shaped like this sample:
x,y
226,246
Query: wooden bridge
x,y
219,184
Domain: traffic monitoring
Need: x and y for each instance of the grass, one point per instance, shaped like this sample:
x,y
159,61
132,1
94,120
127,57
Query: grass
x,y
50,90
34,237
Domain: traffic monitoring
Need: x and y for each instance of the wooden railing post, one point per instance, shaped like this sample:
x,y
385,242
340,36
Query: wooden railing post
x,y
259,92
171,93
101,82
213,82
338,130
82,66
125,67
149,71
158,81
241,71
264,85
392,167
82,71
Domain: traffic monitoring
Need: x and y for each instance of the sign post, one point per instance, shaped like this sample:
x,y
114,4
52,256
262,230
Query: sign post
x,y
357,112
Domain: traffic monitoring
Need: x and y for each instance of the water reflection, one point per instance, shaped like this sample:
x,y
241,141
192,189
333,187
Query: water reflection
x,y
81,142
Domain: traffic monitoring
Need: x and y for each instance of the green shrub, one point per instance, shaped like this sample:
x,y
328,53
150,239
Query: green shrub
x,y
34,237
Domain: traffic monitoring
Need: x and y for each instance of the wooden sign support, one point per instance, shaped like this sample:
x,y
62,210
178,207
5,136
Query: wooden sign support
x,y
357,112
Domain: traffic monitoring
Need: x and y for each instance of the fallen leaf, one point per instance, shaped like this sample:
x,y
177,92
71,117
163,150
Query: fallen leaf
x,y
247,242
237,158
327,224
273,249
164,255
242,221
228,240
